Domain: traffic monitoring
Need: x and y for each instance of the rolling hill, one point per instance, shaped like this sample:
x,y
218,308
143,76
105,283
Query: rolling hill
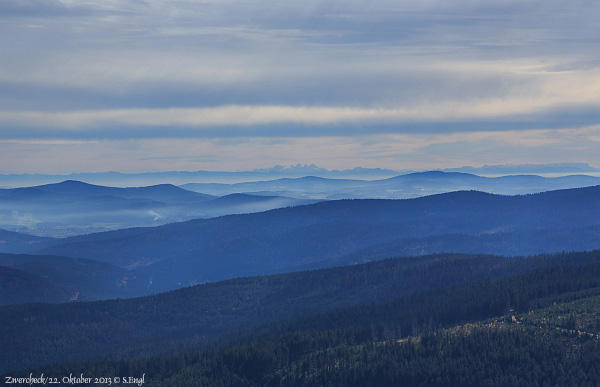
x,y
54,279
325,233
14,242
390,300
405,186
72,207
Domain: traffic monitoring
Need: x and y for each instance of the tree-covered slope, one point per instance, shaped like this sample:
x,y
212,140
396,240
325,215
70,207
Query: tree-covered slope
x,y
18,287
194,317
322,234
72,280
14,242
544,330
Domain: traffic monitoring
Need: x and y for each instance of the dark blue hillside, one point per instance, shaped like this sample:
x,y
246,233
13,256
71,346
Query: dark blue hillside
x,y
240,198
73,208
399,187
211,314
14,242
19,287
161,192
24,193
72,279
320,234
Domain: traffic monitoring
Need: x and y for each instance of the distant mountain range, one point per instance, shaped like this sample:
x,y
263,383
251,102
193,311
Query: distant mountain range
x,y
410,185
519,169
342,232
278,172
182,177
72,207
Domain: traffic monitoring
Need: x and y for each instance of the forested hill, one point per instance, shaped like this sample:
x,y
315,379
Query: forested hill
x,y
75,208
53,279
404,186
359,344
195,317
14,242
322,234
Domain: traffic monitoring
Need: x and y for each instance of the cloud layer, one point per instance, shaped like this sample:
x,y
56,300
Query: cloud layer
x,y
223,70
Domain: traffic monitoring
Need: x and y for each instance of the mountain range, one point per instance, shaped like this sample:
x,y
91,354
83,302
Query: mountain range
x,y
339,232
182,177
278,172
54,279
405,186
73,207
362,304
305,290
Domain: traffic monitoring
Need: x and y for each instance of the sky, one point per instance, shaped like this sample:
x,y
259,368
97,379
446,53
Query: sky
x,y
134,86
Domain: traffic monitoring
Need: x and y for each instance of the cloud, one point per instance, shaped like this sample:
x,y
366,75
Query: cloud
x,y
203,121
399,151
285,73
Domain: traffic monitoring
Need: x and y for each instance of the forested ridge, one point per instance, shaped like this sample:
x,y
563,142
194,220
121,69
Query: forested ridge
x,y
43,278
321,235
331,233
355,344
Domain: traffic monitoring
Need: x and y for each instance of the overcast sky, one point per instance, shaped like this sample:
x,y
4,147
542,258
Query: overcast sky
x,y
131,86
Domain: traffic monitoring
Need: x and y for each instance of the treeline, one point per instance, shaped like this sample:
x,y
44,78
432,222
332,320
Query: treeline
x,y
357,345
488,357
18,286
197,317
52,279
308,237
483,356
436,309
